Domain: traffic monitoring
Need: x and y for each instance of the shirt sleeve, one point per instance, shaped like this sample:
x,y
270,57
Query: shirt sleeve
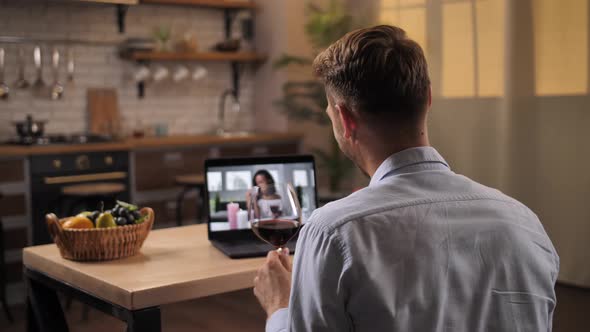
x,y
278,321
318,293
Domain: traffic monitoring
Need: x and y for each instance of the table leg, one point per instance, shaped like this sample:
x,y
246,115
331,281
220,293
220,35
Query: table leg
x,y
31,322
44,313
145,320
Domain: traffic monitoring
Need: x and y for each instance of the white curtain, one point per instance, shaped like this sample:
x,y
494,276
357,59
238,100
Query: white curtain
x,y
511,103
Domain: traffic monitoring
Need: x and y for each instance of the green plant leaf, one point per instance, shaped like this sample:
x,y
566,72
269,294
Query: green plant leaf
x,y
128,206
306,100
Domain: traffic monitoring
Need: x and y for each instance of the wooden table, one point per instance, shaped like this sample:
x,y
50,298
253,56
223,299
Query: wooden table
x,y
175,264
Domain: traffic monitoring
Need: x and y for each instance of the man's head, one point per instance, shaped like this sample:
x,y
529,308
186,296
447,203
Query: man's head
x,y
378,89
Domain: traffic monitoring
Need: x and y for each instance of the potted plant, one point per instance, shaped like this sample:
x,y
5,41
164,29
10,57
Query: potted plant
x,y
305,99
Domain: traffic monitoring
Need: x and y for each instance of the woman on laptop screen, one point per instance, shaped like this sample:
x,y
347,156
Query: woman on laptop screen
x,y
268,202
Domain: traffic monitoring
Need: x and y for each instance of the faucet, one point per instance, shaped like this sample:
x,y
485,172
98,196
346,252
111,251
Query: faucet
x,y
221,112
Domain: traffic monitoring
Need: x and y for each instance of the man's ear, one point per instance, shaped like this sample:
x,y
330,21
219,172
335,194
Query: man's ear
x,y
348,120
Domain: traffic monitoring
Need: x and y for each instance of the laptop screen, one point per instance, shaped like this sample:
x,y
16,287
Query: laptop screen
x,y
229,183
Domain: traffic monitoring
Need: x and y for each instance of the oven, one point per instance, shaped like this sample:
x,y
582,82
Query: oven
x,y
51,172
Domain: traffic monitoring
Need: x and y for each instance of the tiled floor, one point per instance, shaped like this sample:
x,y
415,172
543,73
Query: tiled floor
x,y
239,311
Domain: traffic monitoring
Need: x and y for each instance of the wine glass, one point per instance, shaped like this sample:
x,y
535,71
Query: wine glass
x,y
271,223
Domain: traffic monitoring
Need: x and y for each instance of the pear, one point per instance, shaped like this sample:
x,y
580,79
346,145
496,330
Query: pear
x,y
105,220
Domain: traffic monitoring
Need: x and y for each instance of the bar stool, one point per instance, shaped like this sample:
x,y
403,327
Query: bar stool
x,y
89,195
3,274
190,182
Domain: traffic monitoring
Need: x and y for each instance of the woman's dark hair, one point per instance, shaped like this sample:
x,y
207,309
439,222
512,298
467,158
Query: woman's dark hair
x,y
267,177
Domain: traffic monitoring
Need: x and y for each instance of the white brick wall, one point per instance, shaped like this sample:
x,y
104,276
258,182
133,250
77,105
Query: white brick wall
x,y
188,107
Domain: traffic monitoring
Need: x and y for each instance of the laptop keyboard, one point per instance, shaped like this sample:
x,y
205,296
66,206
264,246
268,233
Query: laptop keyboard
x,y
242,245
249,248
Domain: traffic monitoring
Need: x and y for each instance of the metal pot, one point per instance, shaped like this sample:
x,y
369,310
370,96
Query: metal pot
x,y
29,127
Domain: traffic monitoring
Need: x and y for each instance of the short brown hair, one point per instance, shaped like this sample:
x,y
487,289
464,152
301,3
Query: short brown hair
x,y
379,70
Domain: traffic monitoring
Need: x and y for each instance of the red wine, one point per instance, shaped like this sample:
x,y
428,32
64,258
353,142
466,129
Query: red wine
x,y
276,231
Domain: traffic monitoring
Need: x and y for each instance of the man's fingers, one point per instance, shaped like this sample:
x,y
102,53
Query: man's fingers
x,y
286,260
273,254
255,290
273,260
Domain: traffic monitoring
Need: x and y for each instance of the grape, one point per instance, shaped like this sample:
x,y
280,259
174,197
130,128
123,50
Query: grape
x,y
124,213
121,221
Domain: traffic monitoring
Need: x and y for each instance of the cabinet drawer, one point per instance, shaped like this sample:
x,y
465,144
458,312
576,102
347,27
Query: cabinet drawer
x,y
12,170
13,205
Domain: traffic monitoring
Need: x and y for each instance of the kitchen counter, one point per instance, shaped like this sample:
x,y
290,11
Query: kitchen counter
x,y
146,143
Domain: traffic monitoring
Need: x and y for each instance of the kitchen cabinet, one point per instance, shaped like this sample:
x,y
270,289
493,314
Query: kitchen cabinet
x,y
13,213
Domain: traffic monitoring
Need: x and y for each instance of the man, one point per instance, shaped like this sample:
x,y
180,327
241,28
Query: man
x,y
421,248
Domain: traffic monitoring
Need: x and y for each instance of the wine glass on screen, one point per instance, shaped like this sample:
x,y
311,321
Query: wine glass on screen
x,y
276,226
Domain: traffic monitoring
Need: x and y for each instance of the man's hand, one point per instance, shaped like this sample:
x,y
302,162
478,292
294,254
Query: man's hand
x,y
272,284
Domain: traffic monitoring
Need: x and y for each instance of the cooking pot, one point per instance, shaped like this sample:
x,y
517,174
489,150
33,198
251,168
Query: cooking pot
x,y
30,127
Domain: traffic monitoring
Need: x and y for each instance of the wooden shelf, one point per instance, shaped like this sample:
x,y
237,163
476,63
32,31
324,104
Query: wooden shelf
x,y
115,2
234,4
200,56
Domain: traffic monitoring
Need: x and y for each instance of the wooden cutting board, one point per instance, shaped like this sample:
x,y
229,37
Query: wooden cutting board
x,y
103,111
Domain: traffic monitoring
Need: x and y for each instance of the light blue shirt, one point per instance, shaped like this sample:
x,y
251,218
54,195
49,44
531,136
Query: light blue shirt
x,y
421,249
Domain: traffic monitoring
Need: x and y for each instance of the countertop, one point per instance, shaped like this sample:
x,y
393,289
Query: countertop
x,y
147,143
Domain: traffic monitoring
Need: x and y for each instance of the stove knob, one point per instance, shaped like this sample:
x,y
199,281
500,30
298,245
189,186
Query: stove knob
x,y
82,162
108,160
56,163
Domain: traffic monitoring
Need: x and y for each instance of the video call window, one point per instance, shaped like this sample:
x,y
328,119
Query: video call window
x,y
228,188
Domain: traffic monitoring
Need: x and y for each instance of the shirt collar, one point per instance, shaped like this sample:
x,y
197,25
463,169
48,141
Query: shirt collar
x,y
411,156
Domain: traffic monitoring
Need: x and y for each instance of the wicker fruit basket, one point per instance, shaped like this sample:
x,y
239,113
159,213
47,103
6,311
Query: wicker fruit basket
x,y
100,244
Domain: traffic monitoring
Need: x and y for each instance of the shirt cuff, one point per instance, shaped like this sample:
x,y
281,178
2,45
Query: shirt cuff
x,y
277,322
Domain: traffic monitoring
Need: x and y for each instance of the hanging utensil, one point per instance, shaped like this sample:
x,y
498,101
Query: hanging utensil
x,y
70,66
4,89
38,85
21,82
57,89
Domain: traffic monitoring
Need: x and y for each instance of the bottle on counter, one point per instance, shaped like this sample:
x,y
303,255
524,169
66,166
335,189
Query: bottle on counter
x,y
217,202
243,219
212,206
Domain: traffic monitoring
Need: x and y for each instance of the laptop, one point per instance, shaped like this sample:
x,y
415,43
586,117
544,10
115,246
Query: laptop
x,y
228,181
